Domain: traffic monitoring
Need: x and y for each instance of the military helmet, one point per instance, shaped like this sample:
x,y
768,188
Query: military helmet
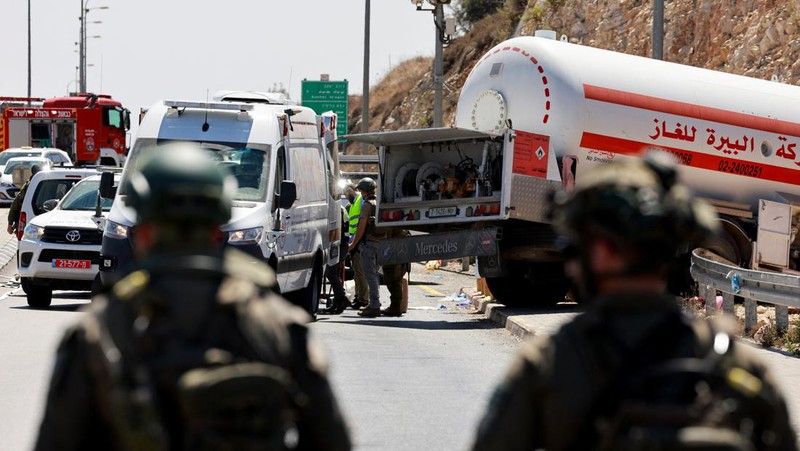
x,y
635,202
366,184
35,169
180,184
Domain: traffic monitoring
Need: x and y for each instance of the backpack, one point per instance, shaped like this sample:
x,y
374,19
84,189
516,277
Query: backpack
x,y
195,396
681,403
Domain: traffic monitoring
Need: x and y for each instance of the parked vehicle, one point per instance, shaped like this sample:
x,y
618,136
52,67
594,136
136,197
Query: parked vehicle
x,y
535,114
57,156
15,173
9,190
90,128
60,249
284,212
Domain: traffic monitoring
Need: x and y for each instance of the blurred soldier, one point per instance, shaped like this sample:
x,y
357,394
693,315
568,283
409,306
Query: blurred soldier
x,y
192,350
361,297
16,205
581,388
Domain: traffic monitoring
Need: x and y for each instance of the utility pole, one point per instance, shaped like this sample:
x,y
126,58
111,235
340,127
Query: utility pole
x,y
82,44
29,51
441,38
82,51
438,18
365,85
658,29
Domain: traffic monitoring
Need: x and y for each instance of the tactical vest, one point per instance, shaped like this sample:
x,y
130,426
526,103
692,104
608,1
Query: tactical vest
x,y
194,395
354,213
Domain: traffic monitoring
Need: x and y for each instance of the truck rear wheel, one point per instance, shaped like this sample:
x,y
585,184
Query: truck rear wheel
x,y
530,285
39,296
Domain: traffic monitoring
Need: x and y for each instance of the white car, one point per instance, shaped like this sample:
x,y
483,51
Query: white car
x,y
8,189
60,249
57,156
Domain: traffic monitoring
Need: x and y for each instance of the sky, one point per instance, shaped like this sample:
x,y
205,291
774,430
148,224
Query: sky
x,y
187,49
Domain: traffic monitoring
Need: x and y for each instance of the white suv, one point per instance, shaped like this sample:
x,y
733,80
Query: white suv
x,y
60,249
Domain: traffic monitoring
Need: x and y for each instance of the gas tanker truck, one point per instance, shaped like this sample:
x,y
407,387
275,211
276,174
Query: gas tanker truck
x,y
536,113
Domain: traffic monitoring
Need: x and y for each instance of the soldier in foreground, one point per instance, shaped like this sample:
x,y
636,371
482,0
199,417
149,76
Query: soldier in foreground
x,y
634,371
191,350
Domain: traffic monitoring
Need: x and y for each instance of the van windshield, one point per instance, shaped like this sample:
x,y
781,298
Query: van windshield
x,y
83,197
249,163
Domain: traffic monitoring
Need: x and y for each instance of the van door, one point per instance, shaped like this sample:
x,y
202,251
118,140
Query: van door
x,y
307,220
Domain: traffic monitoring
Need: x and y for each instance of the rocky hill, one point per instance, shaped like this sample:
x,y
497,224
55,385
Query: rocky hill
x,y
757,38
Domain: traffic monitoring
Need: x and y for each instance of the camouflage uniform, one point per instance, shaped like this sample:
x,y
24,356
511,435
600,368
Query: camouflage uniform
x,y
191,350
225,304
545,398
621,228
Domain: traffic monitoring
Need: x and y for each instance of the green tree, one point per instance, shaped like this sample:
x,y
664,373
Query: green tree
x,y
467,12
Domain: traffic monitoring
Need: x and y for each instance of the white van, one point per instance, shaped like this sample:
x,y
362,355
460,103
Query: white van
x,y
274,148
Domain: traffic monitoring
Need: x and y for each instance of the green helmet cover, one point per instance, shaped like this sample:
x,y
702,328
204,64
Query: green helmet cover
x,y
179,183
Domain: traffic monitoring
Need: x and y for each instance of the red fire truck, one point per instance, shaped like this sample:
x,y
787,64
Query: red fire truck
x,y
91,128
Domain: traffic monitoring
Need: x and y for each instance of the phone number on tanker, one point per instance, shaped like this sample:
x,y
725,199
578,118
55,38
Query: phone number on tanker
x,y
749,170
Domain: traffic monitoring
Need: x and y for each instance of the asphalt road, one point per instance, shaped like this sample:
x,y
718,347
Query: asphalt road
x,y
417,382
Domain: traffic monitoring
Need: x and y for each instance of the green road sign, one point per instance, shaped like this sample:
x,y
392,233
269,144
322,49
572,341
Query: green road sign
x,y
322,96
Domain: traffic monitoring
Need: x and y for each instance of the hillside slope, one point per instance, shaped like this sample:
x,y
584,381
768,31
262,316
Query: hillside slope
x,y
757,38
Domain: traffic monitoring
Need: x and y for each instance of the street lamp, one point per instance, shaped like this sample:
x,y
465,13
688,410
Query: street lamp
x,y
82,48
441,39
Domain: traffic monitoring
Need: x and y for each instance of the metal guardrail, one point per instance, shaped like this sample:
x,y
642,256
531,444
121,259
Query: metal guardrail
x,y
715,274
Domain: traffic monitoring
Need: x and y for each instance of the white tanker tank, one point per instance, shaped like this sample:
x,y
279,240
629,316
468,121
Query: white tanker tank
x,y
738,138
536,113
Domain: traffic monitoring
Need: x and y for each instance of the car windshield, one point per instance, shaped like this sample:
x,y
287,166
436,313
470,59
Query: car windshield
x,y
28,163
248,163
50,189
83,196
7,155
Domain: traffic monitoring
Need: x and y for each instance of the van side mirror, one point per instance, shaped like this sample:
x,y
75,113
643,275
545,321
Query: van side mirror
x,y
288,194
49,204
107,190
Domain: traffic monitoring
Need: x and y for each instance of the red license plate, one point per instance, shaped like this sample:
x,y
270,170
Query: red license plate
x,y
75,264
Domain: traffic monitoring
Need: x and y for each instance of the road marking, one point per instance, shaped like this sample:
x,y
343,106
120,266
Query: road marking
x,y
431,290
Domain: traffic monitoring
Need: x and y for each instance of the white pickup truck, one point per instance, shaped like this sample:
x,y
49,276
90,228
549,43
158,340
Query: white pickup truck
x,y
60,249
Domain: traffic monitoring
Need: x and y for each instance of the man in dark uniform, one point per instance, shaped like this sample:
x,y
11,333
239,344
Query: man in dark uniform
x,y
16,205
624,224
190,350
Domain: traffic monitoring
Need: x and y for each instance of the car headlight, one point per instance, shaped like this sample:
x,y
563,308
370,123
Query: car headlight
x,y
6,185
33,232
115,231
245,236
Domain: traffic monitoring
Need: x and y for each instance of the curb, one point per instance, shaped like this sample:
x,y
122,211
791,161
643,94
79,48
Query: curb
x,y
501,315
8,251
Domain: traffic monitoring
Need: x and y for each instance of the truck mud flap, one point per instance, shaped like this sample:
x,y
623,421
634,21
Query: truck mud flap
x,y
438,246
772,287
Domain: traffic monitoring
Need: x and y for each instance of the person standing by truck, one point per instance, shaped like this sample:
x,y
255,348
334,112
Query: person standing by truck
x,y
361,296
634,371
366,242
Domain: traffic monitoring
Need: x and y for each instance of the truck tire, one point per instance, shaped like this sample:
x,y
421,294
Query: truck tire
x,y
308,298
39,296
530,285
